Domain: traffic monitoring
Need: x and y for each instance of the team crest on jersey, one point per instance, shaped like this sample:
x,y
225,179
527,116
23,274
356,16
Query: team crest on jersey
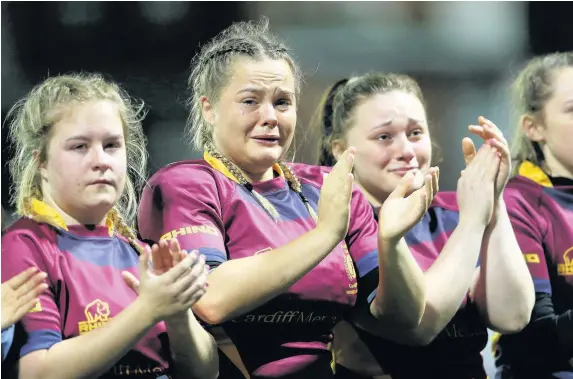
x,y
566,268
97,314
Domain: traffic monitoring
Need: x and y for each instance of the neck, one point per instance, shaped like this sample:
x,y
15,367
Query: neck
x,y
93,219
260,177
375,200
556,169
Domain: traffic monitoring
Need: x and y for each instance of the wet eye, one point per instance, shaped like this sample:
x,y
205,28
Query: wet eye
x,y
384,137
249,102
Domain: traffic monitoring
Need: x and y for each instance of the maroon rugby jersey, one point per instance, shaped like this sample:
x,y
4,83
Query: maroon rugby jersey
x,y
200,204
86,290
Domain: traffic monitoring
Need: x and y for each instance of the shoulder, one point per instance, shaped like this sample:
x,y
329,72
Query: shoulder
x,y
521,191
194,173
310,174
26,228
180,180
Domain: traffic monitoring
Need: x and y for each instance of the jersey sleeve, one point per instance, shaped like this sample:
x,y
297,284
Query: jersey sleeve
x,y
42,326
184,203
529,233
362,240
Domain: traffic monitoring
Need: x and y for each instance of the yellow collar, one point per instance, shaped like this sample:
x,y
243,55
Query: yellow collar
x,y
219,166
534,173
42,212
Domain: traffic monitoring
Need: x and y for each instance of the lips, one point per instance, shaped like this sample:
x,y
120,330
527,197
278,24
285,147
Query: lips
x,y
267,138
102,181
403,170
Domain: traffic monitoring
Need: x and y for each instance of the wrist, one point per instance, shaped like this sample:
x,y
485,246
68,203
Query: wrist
x,y
177,320
471,223
328,237
148,315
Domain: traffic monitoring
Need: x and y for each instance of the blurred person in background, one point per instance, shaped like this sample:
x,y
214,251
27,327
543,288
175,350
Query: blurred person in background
x,y
76,137
539,200
470,264
283,263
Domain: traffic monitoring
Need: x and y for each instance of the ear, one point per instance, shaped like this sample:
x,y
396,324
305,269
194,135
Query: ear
x,y
338,147
532,128
41,165
208,110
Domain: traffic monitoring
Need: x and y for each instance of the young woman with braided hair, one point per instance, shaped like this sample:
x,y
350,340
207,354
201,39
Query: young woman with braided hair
x,y
76,137
292,247
384,117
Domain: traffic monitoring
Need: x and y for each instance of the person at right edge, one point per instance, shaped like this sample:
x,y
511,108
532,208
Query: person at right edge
x,y
473,272
539,199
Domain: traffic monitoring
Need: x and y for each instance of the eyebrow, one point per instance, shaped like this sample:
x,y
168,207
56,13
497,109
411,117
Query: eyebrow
x,y
86,138
389,122
260,90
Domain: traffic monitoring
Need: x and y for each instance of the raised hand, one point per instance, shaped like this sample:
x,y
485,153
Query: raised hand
x,y
493,136
335,195
403,208
475,192
173,292
165,255
20,294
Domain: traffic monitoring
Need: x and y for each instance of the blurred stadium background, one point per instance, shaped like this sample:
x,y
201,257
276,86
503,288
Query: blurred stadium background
x,y
464,54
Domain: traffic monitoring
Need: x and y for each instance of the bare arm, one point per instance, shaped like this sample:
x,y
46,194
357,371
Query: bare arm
x,y
445,284
400,295
194,349
240,285
90,355
504,291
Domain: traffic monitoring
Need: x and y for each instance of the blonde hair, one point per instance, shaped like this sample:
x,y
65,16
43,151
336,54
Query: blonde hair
x,y
532,88
334,113
32,119
211,69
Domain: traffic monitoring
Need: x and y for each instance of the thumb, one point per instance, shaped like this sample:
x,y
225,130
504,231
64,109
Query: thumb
x,y
403,186
131,281
144,263
469,150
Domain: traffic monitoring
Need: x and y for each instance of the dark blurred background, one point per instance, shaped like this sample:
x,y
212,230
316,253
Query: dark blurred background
x,y
463,53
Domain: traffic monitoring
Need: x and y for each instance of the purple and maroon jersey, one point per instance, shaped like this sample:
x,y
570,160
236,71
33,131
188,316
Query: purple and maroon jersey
x,y
205,209
455,352
542,217
86,290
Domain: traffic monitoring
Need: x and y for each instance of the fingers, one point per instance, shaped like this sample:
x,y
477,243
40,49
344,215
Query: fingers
x,y
181,269
346,162
21,278
144,263
492,164
131,281
196,289
31,296
190,277
404,186
31,285
436,181
469,150
491,129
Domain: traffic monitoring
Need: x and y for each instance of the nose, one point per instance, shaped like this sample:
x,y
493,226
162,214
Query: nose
x,y
101,160
406,150
268,115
